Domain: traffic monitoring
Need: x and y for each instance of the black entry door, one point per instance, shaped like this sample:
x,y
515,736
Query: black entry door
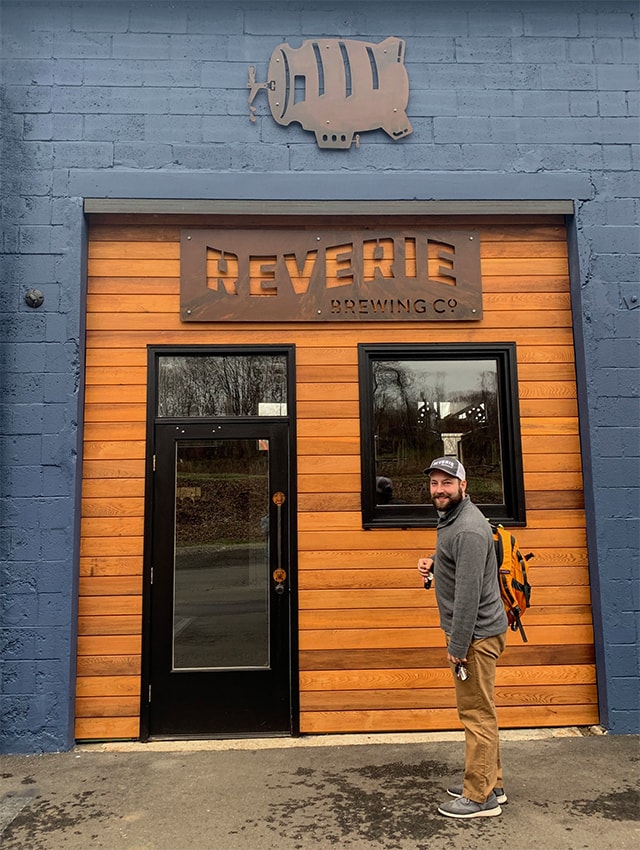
x,y
220,660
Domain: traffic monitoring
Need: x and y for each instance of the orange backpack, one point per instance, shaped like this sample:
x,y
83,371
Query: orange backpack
x,y
515,589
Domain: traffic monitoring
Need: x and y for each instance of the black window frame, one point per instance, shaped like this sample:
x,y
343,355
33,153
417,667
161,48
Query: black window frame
x,y
512,511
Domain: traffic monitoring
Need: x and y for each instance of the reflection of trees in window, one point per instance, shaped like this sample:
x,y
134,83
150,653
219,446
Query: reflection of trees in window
x,y
423,409
221,491
394,414
193,386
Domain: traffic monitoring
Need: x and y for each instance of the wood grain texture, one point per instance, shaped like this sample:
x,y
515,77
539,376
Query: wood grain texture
x,y
371,652
432,719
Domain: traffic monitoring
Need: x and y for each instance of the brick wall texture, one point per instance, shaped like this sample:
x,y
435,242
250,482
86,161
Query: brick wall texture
x,y
496,88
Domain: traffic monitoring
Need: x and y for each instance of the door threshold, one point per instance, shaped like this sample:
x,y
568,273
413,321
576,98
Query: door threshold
x,y
227,736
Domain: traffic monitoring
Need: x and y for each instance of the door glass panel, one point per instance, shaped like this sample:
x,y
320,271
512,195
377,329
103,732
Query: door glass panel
x,y
221,560
207,385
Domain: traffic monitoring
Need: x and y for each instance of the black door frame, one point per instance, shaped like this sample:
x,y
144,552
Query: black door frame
x,y
153,353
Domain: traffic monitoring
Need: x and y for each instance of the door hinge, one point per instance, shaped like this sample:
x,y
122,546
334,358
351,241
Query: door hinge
x,y
154,463
151,582
149,699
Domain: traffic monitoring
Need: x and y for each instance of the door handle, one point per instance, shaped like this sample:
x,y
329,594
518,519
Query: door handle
x,y
279,575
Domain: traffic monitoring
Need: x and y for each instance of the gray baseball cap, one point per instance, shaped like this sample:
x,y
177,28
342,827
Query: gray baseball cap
x,y
449,465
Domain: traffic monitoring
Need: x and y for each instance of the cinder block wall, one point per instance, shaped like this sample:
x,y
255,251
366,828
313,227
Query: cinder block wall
x,y
507,100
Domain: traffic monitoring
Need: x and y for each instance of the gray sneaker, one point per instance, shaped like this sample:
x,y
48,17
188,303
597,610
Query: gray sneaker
x,y
456,791
465,808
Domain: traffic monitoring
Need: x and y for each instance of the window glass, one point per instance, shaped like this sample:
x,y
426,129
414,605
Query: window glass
x,y
423,402
219,385
426,409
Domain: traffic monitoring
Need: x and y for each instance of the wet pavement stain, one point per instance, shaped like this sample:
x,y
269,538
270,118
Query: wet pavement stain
x,y
39,819
393,806
617,806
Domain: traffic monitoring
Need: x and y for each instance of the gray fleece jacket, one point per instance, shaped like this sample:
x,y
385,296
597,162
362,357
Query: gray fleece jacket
x,y
466,578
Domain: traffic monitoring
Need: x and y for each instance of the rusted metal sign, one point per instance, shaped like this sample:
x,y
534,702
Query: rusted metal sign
x,y
336,87
296,275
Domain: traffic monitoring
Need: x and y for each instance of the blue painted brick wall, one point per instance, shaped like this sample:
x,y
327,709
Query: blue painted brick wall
x,y
119,91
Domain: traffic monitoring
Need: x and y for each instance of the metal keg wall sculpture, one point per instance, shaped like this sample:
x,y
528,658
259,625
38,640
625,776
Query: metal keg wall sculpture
x,y
337,87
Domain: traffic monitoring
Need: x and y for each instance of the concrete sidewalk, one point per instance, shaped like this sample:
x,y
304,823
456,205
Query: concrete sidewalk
x,y
568,790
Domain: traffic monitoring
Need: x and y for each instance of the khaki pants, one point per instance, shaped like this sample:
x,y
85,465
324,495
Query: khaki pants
x,y
477,711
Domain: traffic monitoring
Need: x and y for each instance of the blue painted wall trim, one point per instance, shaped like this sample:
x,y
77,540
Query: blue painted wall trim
x,y
82,231
595,579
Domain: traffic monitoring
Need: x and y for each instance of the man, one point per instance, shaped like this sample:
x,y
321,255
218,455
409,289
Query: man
x,y
475,624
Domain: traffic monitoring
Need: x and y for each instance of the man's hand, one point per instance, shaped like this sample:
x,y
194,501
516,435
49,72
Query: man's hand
x,y
425,566
453,659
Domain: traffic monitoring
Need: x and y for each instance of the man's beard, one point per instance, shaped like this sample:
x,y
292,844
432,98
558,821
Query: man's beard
x,y
449,502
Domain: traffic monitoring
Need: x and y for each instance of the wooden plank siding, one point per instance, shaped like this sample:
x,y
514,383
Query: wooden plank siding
x,y
371,654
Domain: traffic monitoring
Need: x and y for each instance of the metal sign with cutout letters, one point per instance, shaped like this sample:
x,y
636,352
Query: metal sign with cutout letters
x,y
336,87
323,275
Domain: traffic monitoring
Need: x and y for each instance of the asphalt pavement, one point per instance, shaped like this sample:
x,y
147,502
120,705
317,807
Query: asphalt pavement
x,y
568,789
